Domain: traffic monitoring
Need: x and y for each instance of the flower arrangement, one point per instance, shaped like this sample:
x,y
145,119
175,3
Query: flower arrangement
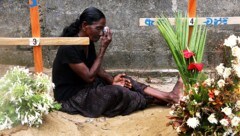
x,y
186,53
24,98
211,106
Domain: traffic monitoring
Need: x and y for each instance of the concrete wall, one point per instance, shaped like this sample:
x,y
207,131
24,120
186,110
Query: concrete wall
x,y
133,47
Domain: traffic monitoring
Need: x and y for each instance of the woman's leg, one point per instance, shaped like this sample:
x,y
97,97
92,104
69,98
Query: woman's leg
x,y
170,97
156,96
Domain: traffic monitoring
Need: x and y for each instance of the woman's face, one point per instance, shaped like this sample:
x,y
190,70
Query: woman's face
x,y
95,30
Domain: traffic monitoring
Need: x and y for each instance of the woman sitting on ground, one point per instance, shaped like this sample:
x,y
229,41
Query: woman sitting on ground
x,y
83,87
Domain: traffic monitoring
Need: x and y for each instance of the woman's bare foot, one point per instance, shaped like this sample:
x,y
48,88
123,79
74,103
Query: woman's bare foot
x,y
176,93
169,97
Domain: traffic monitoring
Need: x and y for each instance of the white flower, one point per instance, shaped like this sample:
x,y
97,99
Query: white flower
x,y
220,69
238,104
228,132
212,119
196,89
37,114
216,92
237,69
227,111
46,108
24,119
194,102
235,51
224,122
210,99
18,113
198,115
193,122
31,119
171,112
227,72
209,81
178,130
53,85
185,98
235,121
6,124
238,39
39,120
12,99
221,83
231,41
43,108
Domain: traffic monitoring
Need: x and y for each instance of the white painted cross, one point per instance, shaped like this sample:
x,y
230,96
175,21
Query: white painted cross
x,y
215,21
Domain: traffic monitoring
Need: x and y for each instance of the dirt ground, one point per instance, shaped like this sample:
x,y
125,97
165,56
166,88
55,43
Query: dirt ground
x,y
149,122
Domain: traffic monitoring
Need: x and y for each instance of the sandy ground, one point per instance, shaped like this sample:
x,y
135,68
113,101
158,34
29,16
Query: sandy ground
x,y
149,122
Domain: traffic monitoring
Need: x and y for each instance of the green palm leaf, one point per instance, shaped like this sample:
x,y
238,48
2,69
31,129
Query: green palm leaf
x,y
177,39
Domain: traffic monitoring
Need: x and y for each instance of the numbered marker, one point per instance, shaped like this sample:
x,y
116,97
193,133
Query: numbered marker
x,y
34,41
191,21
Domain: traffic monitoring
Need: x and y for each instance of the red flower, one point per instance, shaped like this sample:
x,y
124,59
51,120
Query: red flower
x,y
211,94
197,66
188,54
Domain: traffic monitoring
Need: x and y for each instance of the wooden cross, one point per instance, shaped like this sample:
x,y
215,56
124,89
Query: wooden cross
x,y
37,41
192,7
192,4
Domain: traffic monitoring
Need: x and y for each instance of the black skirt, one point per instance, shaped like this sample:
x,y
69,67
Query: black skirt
x,y
99,99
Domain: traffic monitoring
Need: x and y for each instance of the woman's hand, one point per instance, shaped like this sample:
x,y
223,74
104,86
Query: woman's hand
x,y
106,38
120,80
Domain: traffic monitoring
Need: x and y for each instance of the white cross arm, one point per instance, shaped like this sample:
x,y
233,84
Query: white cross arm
x,y
215,21
45,41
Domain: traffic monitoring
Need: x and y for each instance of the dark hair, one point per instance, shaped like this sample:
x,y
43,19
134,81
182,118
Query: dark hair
x,y
89,15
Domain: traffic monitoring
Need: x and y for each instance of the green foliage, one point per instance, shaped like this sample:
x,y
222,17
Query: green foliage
x,y
177,41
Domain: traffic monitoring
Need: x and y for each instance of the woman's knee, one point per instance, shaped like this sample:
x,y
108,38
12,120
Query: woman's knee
x,y
116,89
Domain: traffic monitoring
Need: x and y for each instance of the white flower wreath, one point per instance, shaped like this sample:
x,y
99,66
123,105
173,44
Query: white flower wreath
x,y
24,98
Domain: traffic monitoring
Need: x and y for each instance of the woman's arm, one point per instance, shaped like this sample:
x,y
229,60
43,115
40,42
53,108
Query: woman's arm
x,y
105,76
84,72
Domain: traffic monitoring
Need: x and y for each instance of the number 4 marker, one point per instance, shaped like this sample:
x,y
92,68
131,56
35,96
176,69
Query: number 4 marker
x,y
191,21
